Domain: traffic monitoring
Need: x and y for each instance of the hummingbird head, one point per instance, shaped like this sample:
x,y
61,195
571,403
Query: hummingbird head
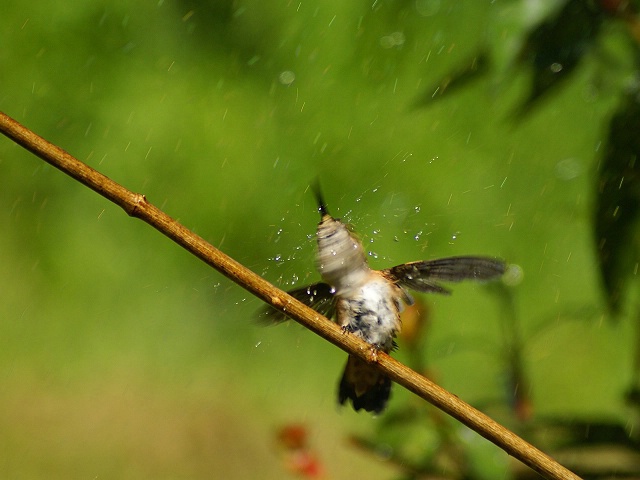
x,y
340,257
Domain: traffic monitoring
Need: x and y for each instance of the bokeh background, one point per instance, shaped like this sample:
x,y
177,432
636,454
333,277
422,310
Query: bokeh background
x,y
121,356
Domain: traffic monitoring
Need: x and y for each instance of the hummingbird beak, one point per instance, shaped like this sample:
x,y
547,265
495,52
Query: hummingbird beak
x,y
322,207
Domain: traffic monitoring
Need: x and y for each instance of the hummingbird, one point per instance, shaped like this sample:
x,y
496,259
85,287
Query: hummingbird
x,y
367,302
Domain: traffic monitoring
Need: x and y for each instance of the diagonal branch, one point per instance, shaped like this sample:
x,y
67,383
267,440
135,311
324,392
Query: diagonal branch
x,y
136,205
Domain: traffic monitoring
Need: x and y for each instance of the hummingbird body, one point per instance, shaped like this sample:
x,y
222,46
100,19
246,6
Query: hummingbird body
x,y
371,312
367,303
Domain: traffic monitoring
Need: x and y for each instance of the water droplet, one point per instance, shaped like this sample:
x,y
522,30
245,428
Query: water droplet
x,y
513,276
287,77
395,39
398,38
427,8
569,168
556,67
373,255
417,208
417,236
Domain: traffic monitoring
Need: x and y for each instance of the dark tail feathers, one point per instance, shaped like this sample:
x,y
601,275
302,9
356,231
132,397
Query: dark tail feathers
x,y
365,386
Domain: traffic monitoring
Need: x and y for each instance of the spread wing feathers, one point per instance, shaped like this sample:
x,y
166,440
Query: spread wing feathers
x,y
318,296
422,276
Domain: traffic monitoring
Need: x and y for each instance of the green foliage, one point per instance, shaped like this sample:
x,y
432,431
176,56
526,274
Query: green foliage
x,y
223,113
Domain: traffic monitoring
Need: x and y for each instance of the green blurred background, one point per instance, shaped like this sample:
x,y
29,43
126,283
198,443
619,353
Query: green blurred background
x,y
121,356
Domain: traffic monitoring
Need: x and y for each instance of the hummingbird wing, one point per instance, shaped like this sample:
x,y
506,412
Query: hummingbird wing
x,y
318,296
422,275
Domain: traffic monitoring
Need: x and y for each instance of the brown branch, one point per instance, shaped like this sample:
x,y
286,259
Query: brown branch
x,y
136,205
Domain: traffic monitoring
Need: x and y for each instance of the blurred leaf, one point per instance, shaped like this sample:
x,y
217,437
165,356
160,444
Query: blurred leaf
x,y
571,432
595,449
618,203
471,70
555,47
449,459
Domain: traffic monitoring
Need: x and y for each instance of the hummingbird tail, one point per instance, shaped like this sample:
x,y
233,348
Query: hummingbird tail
x,y
365,386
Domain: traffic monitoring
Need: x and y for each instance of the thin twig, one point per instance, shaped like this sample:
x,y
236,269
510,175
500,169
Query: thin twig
x,y
136,205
